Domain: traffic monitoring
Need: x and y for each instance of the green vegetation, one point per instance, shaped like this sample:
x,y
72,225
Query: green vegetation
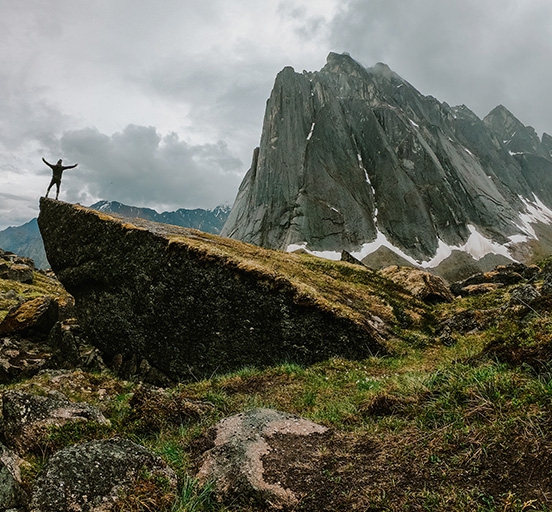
x,y
458,426
14,292
349,291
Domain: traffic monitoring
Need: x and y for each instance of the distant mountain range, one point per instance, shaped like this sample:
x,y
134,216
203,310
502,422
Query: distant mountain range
x,y
356,159
26,241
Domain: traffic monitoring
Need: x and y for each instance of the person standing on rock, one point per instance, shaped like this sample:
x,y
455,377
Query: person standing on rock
x,y
57,171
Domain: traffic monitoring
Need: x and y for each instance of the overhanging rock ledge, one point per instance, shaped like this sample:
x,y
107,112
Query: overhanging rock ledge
x,y
190,303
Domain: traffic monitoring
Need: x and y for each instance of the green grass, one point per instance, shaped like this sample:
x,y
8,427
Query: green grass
x,y
454,416
41,285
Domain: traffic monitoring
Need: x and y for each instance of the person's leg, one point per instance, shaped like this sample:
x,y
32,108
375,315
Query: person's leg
x,y
50,186
57,188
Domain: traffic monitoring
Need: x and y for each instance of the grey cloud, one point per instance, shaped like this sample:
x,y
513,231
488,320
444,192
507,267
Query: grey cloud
x,y
138,166
26,116
306,26
478,53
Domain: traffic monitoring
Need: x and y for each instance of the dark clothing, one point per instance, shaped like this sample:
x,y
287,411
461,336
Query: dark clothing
x,y
57,171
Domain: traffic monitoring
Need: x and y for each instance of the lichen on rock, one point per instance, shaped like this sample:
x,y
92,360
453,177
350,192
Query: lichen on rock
x,y
191,304
98,476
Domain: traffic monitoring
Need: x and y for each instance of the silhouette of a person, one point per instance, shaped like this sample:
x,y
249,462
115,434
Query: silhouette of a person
x,y
57,171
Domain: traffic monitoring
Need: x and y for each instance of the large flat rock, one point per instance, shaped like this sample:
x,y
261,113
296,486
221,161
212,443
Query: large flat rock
x,y
192,304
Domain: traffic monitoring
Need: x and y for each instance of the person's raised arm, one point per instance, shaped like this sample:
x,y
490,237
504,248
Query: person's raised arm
x,y
47,163
70,167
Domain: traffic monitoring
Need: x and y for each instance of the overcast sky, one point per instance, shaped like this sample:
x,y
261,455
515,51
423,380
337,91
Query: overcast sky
x,y
161,102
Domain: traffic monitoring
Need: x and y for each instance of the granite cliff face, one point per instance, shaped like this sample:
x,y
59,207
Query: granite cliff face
x,y
190,304
356,158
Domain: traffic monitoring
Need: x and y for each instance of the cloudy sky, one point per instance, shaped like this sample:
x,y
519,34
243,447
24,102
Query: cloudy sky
x,y
161,103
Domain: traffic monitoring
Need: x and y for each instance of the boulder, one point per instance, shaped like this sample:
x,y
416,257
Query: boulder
x,y
27,417
524,295
35,317
22,358
104,476
12,493
480,289
503,275
235,462
20,272
190,304
420,284
466,321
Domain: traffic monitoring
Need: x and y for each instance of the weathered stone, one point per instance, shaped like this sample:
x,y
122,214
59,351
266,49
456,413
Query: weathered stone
x,y
502,275
546,288
12,493
17,272
349,154
466,321
26,417
35,317
524,295
420,284
70,351
480,289
235,462
191,303
99,476
22,358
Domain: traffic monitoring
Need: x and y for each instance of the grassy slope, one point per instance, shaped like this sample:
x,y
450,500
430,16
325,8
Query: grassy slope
x,y
42,285
429,427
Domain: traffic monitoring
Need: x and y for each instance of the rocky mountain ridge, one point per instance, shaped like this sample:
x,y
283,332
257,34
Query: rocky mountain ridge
x,y
356,158
208,220
25,240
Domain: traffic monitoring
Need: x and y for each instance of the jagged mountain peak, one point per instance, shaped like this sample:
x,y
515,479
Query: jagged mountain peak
x,y
519,139
356,158
383,70
502,121
343,62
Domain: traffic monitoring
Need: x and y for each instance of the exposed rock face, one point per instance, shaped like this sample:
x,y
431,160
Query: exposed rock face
x,y
96,477
25,417
33,317
423,285
22,358
192,304
11,490
502,275
235,461
355,159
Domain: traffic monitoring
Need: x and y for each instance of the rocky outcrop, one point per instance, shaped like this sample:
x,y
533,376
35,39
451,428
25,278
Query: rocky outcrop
x,y
423,285
356,159
189,304
12,493
502,275
16,268
22,358
99,475
27,417
235,462
35,317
